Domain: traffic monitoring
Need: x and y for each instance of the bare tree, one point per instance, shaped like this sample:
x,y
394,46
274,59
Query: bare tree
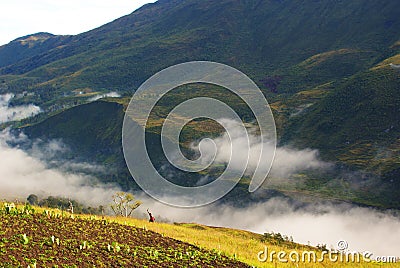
x,y
124,204
71,207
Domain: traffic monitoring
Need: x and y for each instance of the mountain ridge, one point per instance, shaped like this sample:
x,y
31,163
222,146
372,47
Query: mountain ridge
x,y
321,64
249,43
29,46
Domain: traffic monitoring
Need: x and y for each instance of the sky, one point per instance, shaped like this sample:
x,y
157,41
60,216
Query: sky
x,y
22,17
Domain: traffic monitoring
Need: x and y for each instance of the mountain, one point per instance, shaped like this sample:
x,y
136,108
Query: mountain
x,y
261,38
356,125
325,67
29,46
362,111
93,134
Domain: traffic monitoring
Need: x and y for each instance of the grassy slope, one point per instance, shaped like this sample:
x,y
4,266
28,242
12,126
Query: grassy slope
x,y
28,46
321,53
346,121
354,124
261,38
230,242
93,133
362,109
320,44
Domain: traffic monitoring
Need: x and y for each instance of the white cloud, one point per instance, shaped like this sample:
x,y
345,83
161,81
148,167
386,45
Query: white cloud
x,y
110,94
23,17
364,229
14,113
287,161
23,173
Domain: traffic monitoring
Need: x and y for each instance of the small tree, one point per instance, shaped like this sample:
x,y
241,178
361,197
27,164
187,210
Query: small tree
x,y
33,199
71,207
124,204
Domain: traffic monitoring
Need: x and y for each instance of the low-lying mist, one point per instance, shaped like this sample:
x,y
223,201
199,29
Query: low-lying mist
x,y
26,171
364,229
11,113
287,161
106,95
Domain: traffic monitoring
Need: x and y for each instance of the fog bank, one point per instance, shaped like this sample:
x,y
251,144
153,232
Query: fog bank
x,y
13,113
287,160
364,229
110,95
25,172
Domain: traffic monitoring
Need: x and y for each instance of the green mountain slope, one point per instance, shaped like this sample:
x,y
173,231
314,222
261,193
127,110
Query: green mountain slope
x,y
93,134
353,124
324,66
24,48
359,119
262,38
90,128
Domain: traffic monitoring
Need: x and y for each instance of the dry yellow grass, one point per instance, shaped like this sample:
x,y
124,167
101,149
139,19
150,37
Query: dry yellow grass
x,y
386,63
319,58
242,244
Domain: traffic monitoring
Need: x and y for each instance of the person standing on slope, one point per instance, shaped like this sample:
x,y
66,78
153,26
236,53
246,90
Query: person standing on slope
x,y
151,217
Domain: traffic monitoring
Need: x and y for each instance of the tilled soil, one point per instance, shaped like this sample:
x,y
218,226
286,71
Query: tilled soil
x,y
52,241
